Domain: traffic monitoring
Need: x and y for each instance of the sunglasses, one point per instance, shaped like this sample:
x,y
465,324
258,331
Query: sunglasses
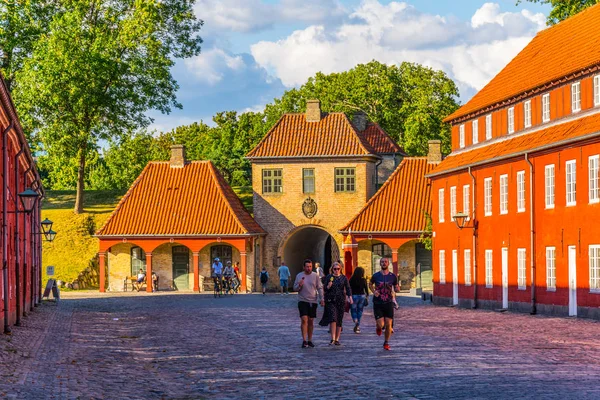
x,y
337,269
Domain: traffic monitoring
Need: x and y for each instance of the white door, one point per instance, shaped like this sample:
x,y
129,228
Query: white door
x,y
504,277
454,277
572,282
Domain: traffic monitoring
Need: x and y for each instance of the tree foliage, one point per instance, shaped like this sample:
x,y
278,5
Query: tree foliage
x,y
98,70
563,9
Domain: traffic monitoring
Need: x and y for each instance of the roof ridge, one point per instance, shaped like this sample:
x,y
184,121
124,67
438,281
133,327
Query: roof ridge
x,y
125,197
377,194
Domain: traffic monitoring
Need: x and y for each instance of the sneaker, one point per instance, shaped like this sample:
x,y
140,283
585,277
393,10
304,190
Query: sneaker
x,y
304,344
379,331
331,342
337,343
386,346
357,329
310,344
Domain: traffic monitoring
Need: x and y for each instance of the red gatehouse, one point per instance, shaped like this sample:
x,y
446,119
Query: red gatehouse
x,y
515,203
20,280
174,220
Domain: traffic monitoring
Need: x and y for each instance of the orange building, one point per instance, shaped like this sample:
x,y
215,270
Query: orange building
x,y
174,220
514,203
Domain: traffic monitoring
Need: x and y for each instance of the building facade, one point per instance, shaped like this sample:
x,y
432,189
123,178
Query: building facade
x,y
20,280
311,174
513,204
174,220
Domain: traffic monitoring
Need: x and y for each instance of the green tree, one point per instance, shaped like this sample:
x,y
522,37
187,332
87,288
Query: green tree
x,y
563,9
97,71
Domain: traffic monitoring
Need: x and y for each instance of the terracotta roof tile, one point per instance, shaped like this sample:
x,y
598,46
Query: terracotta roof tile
x,y
380,141
191,201
568,47
293,136
401,203
506,147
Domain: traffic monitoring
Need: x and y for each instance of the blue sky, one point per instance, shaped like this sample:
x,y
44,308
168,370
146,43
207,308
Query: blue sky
x,y
256,49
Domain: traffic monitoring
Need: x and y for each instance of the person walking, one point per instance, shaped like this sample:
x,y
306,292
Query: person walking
x,y
319,270
360,294
264,278
335,302
284,275
382,284
310,293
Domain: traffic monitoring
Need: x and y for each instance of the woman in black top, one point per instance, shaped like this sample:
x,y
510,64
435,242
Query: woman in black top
x,y
335,300
360,292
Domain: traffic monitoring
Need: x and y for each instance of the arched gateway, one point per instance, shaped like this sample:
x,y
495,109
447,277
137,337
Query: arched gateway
x,y
308,241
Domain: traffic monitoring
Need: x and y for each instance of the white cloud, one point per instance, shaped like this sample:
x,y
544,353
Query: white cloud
x,y
210,66
471,52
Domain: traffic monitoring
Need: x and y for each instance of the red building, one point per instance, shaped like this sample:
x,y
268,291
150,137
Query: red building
x,y
523,182
20,280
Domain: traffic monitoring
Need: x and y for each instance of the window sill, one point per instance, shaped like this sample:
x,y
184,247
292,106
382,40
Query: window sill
x,y
442,283
503,212
522,288
487,214
521,211
489,286
467,284
570,204
551,289
594,201
549,207
594,291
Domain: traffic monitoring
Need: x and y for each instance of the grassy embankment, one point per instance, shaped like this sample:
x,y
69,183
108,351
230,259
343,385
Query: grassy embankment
x,y
75,247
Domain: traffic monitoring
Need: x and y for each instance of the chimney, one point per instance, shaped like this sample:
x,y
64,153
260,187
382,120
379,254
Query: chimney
x,y
360,121
435,151
313,111
177,156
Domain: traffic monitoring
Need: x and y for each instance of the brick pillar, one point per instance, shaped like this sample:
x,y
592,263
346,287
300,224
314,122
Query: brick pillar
x,y
101,258
395,261
149,272
196,259
243,267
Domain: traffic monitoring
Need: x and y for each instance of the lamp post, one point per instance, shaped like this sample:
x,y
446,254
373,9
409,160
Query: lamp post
x,y
460,219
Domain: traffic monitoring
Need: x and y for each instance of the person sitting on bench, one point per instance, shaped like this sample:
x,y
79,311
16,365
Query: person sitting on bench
x,y
154,282
141,277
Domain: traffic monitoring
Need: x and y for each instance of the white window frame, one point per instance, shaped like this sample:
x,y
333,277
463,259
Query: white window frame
x,y
593,188
571,182
521,269
576,97
487,196
546,107
489,269
467,264
475,128
488,127
442,260
441,205
511,120
597,90
452,202
549,179
527,114
467,201
520,191
594,259
461,136
503,194
551,268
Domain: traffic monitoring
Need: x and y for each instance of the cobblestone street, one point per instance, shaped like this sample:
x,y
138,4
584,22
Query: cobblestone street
x,y
190,346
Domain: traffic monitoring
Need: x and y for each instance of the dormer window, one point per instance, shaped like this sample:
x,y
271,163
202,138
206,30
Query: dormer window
x,y
576,97
475,131
527,113
597,90
488,127
546,107
511,120
461,136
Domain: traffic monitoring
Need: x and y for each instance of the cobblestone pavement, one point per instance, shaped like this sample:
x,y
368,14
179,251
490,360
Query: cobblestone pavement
x,y
190,346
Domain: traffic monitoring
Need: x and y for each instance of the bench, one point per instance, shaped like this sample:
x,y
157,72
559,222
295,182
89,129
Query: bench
x,y
132,281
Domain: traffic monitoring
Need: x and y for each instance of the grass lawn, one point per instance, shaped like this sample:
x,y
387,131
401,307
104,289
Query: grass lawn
x,y
75,247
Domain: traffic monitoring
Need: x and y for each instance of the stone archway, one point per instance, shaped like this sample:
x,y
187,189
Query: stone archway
x,y
309,242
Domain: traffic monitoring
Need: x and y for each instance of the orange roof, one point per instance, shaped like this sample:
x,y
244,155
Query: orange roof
x,y
568,47
512,146
191,201
293,136
379,140
401,203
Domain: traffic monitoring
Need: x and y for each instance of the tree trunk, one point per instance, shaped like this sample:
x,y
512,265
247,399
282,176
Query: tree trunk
x,y
80,180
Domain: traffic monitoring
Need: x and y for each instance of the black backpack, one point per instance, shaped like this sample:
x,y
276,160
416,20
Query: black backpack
x,y
264,277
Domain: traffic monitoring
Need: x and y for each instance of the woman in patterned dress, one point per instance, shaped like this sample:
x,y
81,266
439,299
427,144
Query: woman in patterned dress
x,y
337,292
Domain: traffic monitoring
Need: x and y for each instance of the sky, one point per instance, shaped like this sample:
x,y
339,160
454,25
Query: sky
x,y
254,50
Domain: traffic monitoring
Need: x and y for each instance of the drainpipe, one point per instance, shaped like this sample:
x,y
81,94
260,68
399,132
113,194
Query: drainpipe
x,y
474,216
4,227
17,253
532,235
25,238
